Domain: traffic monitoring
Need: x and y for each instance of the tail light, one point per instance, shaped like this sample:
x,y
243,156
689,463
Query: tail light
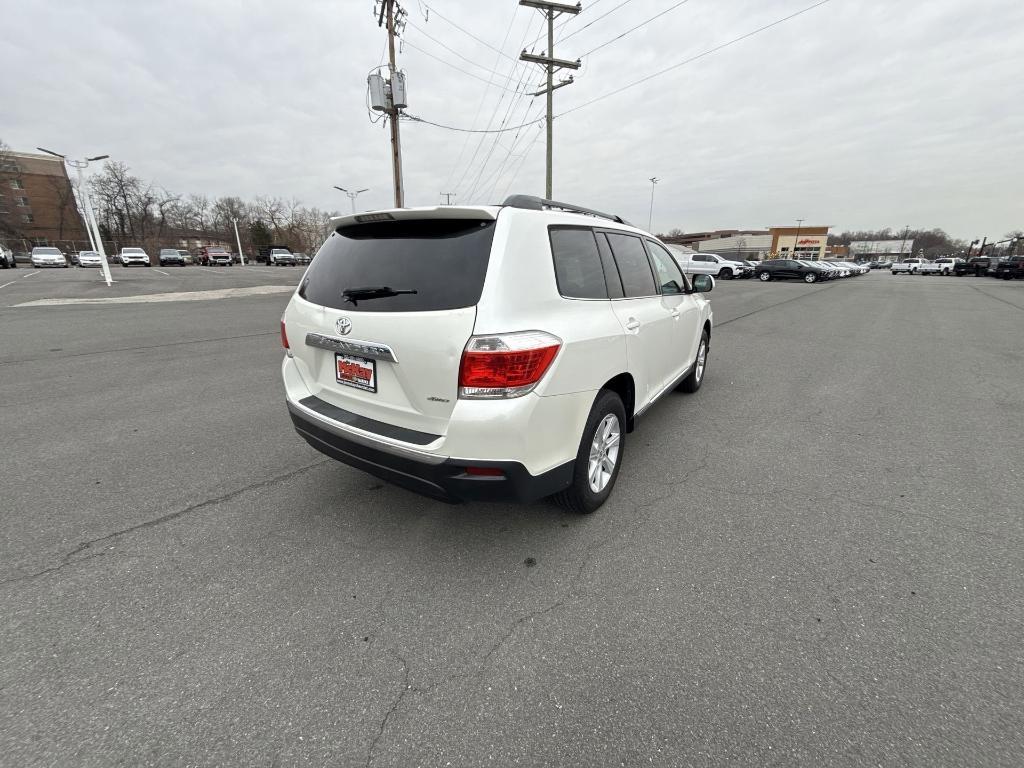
x,y
505,366
284,339
484,472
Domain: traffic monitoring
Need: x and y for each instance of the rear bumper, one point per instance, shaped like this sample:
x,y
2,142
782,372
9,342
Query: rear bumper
x,y
445,480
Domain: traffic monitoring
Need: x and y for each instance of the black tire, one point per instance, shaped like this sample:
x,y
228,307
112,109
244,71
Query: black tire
x,y
692,382
810,277
764,277
579,497
725,274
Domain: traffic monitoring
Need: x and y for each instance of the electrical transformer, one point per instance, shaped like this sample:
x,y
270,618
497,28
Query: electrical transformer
x,y
378,99
398,97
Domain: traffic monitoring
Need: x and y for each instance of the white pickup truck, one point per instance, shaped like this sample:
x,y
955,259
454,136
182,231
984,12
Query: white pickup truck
x,y
912,267
696,263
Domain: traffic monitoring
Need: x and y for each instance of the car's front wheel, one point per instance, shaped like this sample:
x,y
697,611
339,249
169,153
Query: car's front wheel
x,y
764,277
725,274
810,277
599,457
700,364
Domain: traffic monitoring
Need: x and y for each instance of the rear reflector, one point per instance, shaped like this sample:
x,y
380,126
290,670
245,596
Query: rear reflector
x,y
485,471
284,336
505,366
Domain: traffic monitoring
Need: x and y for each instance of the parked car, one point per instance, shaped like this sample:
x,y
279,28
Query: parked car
x,y
170,256
301,258
946,265
215,256
1010,268
7,260
47,256
830,271
976,266
696,263
281,257
89,259
498,352
186,256
907,266
786,269
129,256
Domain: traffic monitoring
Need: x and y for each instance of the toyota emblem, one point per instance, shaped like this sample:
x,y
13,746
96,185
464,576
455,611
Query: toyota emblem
x,y
344,326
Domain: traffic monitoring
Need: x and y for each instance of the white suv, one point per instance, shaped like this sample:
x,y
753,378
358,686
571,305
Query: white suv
x,y
497,352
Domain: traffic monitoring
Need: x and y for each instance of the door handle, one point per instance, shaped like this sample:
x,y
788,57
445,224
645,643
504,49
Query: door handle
x,y
675,313
633,325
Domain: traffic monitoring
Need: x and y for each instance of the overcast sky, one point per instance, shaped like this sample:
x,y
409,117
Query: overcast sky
x,y
858,114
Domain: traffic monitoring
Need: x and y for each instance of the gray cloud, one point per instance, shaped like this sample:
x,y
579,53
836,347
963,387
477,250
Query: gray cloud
x,y
860,113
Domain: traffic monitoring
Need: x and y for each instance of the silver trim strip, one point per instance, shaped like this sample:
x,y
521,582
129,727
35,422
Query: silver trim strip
x,y
364,438
352,346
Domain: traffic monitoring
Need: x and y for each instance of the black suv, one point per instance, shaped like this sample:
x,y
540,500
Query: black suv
x,y
1010,268
781,269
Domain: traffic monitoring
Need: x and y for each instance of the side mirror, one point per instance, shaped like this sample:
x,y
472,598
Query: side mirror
x,y
703,283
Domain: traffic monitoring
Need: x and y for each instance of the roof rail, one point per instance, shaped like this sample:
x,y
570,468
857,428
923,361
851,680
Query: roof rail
x,y
534,203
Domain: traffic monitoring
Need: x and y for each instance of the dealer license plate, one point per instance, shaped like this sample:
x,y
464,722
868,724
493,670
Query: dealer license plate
x,y
358,372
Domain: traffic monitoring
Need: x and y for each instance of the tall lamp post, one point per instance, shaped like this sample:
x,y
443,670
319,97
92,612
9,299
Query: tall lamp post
x,y
81,165
650,215
238,240
796,241
352,195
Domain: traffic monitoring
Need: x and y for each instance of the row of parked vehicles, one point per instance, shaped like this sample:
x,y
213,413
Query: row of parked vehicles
x,y
207,256
1004,267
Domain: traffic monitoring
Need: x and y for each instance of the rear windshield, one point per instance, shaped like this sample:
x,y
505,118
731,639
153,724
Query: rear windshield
x,y
427,264
46,251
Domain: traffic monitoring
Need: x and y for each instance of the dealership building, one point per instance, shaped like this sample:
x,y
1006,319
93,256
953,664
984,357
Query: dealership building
x,y
890,250
759,244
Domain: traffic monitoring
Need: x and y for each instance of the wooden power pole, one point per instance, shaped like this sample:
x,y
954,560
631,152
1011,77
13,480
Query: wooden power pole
x,y
550,63
390,9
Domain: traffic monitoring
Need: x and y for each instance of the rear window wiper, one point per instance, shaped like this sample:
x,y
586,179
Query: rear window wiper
x,y
374,292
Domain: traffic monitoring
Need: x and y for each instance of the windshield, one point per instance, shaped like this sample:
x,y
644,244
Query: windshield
x,y
401,266
47,251
132,250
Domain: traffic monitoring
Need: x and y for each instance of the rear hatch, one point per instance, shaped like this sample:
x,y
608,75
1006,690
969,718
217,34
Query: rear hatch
x,y
383,313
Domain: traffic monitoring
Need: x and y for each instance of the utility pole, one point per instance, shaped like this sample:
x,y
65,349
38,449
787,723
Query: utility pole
x,y
650,216
80,165
903,243
391,10
353,195
550,63
238,240
448,197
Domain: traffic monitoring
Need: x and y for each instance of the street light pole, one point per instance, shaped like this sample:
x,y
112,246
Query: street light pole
x,y
650,215
796,241
79,166
238,240
352,195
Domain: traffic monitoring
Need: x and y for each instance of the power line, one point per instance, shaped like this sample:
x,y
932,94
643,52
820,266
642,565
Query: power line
x,y
522,162
648,78
634,29
416,119
592,23
467,32
453,66
450,50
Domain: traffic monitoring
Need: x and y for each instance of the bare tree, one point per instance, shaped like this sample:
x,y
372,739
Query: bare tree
x,y
10,175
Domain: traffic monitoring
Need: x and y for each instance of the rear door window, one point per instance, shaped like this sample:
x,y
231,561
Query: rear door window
x,y
578,267
634,267
401,266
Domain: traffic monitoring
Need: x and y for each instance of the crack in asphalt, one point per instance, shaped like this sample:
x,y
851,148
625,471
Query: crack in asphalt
x,y
405,688
772,306
67,558
998,298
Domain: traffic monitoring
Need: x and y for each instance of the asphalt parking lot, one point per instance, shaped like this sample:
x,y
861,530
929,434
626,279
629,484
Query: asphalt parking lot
x,y
818,559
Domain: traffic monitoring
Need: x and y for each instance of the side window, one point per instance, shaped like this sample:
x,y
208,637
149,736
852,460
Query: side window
x,y
611,272
700,257
669,276
577,263
634,267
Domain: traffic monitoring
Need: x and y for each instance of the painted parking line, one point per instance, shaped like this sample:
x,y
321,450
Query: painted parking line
x,y
30,274
221,293
10,283
162,272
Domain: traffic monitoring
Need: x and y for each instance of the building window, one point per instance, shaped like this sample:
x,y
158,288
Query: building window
x,y
23,202
16,184
28,218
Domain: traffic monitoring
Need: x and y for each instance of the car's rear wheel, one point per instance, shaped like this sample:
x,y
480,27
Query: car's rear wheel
x,y
599,457
700,364
764,277
810,277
